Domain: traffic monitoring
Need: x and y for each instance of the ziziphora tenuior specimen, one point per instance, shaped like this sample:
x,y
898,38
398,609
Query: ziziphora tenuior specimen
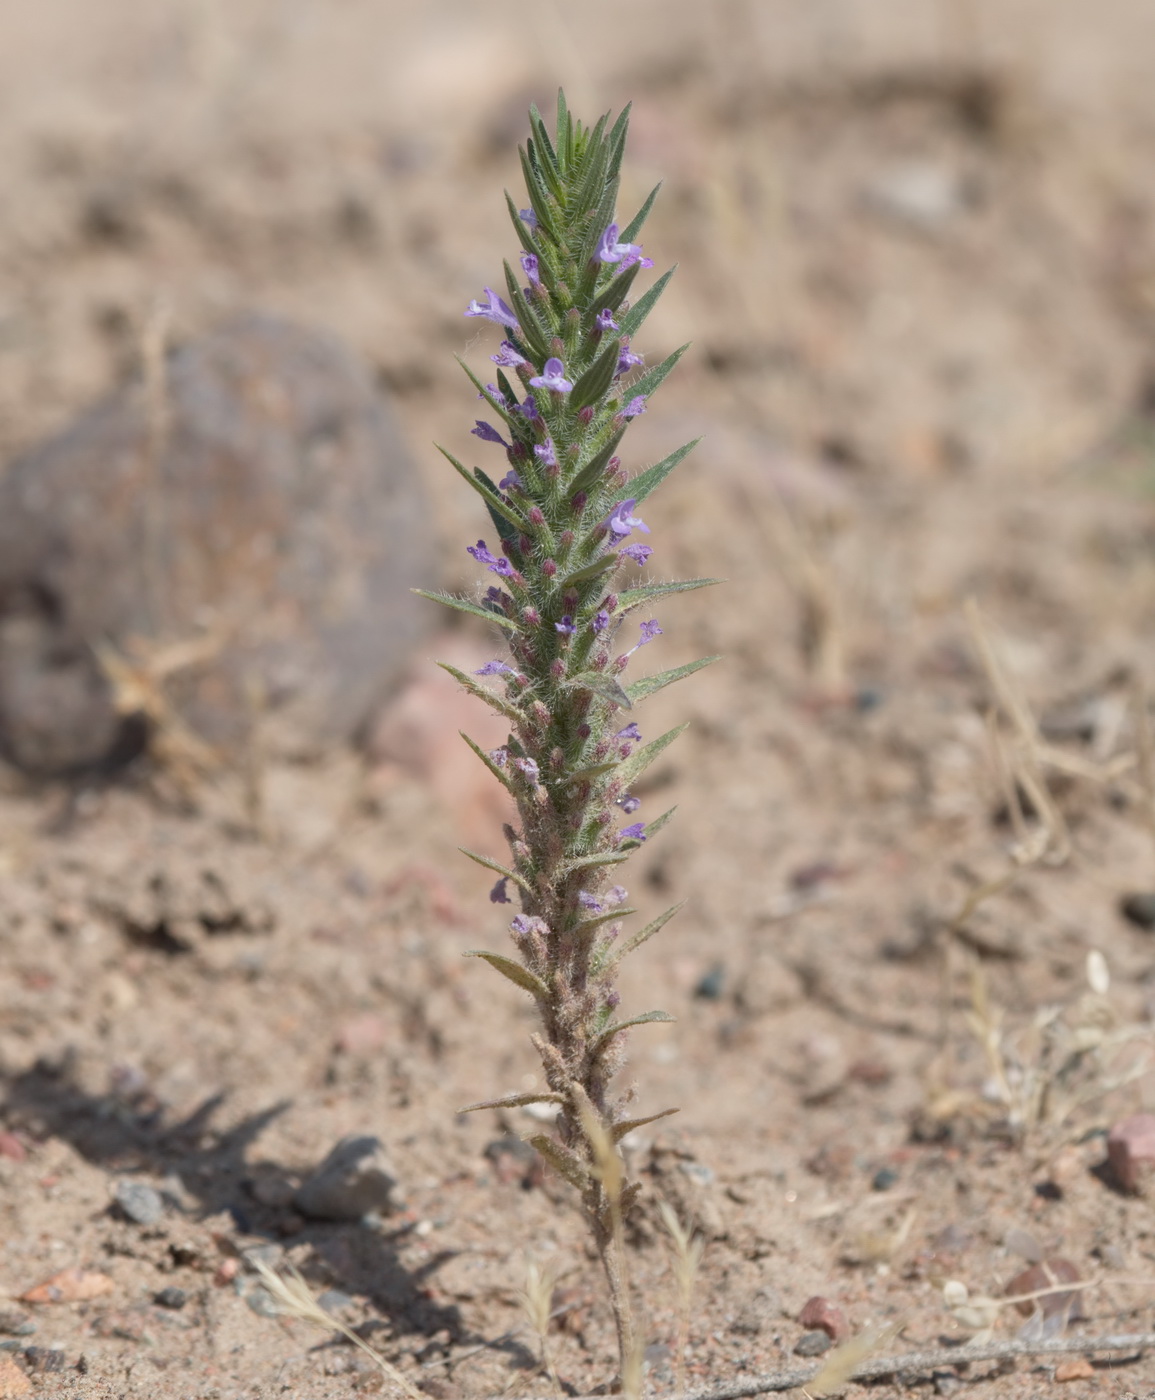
x,y
570,581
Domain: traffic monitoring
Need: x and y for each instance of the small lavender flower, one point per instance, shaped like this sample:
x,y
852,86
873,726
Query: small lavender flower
x,y
508,357
510,481
502,567
609,250
528,408
639,553
553,377
631,731
589,901
621,522
636,832
494,668
566,626
617,895
600,621
480,553
545,453
529,264
527,216
650,630
605,320
629,804
527,767
627,359
500,756
494,310
635,406
487,433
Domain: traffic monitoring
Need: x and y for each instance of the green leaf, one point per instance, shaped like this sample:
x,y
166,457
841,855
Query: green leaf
x,y
585,862
498,407
491,498
545,145
531,331
566,1163
650,381
645,1019
485,758
594,569
521,1100
613,956
495,702
620,1130
615,293
564,127
523,234
649,685
634,597
607,687
518,975
538,198
652,828
465,606
632,321
640,759
496,866
597,378
634,227
582,775
648,481
608,918
591,473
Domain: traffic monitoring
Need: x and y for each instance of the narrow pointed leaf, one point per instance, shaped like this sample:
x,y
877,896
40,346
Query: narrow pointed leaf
x,y
545,145
498,869
649,685
585,862
566,1163
491,498
518,975
585,774
640,759
652,828
616,292
634,227
647,592
538,199
650,381
620,1130
465,606
495,702
498,407
525,238
485,758
597,379
591,473
631,322
648,481
615,955
645,1019
609,917
521,1100
608,687
594,569
532,333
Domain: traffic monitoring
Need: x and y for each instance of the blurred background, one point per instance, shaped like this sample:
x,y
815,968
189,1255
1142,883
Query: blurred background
x,y
916,259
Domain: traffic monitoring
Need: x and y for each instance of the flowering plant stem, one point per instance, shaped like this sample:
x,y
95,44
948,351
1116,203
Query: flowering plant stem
x,y
567,387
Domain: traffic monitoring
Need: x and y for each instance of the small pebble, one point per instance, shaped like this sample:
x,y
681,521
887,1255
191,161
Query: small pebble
x,y
1139,909
15,1323
1131,1149
356,1178
821,1314
41,1359
812,1344
946,1382
709,986
139,1202
334,1301
171,1297
884,1178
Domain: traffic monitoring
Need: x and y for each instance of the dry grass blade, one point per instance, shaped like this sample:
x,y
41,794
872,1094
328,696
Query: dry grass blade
x,y
296,1300
843,1361
537,1302
688,1247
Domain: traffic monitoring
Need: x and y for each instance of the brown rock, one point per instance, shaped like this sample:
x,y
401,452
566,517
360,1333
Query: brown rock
x,y
12,1148
69,1286
820,1314
1080,1369
13,1381
1131,1149
263,552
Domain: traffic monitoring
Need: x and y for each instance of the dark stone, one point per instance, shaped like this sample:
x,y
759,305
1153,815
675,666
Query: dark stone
x,y
812,1344
42,1359
138,1202
710,986
1139,909
278,526
355,1179
171,1297
884,1178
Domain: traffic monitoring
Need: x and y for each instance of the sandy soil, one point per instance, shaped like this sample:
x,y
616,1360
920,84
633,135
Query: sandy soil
x,y
917,261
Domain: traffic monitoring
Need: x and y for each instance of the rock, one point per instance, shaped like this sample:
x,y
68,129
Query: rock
x,y
1139,909
819,1312
812,1344
44,1359
12,1148
1079,1369
70,1286
13,1381
1131,1149
356,1178
884,1178
138,1202
921,194
258,560
16,1324
273,1191
709,985
171,1297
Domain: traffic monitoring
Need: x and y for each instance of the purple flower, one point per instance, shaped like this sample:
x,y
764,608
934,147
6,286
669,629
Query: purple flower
x,y
600,621
510,480
621,522
528,409
636,832
605,321
494,668
650,630
486,433
565,626
616,896
635,406
609,250
627,359
629,804
529,263
527,216
639,553
545,454
496,310
631,731
528,767
480,553
497,895
502,567
553,377
589,901
501,757
508,357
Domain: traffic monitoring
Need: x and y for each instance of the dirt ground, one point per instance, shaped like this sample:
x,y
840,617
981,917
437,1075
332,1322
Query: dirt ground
x,y
916,248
